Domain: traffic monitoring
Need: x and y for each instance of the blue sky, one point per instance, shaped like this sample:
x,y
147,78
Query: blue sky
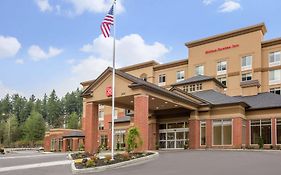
x,y
56,44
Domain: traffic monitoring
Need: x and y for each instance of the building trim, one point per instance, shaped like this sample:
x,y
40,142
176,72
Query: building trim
x,y
170,64
271,42
138,66
259,27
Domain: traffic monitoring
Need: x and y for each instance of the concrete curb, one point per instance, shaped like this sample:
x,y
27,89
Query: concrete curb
x,y
133,162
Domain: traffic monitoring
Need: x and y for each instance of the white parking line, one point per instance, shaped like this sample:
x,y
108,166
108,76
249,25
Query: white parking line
x,y
30,156
36,165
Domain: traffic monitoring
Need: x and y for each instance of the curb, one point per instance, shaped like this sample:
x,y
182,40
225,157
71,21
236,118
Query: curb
x,y
133,162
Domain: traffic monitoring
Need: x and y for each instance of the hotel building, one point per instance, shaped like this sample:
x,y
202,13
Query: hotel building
x,y
226,94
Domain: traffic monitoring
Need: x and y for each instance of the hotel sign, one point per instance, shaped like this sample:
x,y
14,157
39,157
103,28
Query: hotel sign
x,y
222,48
108,91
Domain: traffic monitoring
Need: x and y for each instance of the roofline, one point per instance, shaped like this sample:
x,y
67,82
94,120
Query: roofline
x,y
139,66
263,108
271,42
86,83
227,35
171,64
211,79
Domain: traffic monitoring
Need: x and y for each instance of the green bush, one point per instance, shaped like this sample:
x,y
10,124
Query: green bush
x,y
133,140
81,147
261,143
90,163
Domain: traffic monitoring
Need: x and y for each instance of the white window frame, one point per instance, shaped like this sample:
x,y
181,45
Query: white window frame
x,y
161,77
101,115
247,75
273,90
198,70
274,81
275,56
220,66
250,130
201,123
180,75
220,79
276,131
222,120
246,67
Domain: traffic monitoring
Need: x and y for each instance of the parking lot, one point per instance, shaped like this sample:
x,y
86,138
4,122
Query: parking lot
x,y
168,163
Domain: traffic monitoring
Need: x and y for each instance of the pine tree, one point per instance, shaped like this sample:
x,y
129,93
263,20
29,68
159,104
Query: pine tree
x,y
73,121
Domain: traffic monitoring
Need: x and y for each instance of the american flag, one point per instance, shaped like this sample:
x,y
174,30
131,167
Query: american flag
x,y
107,22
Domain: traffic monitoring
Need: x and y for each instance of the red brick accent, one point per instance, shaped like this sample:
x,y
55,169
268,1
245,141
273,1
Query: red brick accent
x,y
209,133
194,134
47,143
248,142
83,124
273,131
152,136
141,119
64,145
91,127
237,132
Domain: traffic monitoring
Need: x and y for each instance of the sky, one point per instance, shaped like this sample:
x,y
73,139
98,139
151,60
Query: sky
x,y
56,44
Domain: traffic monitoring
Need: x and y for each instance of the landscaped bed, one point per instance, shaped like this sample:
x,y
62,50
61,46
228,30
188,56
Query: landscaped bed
x,y
85,160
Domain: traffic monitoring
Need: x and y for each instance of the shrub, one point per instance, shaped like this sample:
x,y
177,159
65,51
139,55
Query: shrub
x,y
126,156
81,147
94,158
133,140
90,163
261,143
278,147
107,158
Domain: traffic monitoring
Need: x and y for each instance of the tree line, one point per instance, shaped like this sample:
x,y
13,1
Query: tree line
x,y
23,121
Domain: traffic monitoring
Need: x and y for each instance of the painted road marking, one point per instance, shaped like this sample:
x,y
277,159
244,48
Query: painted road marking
x,y
31,156
36,165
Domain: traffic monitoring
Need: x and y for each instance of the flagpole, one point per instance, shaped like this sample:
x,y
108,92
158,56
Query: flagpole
x,y
113,87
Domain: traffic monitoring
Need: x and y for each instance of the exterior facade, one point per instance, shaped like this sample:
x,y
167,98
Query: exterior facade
x,y
226,94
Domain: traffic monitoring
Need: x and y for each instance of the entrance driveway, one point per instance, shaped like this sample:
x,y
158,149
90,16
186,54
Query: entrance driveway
x,y
208,163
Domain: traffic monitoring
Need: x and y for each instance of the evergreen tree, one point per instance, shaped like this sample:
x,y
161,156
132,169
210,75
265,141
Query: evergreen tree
x,y
44,111
54,109
11,131
73,121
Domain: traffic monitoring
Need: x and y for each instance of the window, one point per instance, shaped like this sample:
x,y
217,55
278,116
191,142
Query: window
x,y
244,128
129,112
180,76
278,129
275,90
246,63
274,77
222,132
193,87
222,80
202,133
185,88
199,70
103,141
221,67
246,77
101,125
274,58
162,80
143,77
261,129
115,113
101,116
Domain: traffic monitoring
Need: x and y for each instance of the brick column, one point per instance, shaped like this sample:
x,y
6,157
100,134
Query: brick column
x,y
248,127
237,132
47,143
273,131
91,128
152,137
141,119
209,133
194,134
64,145
75,146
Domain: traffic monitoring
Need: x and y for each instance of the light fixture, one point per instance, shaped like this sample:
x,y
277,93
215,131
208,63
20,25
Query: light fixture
x,y
132,101
166,102
152,98
176,105
157,107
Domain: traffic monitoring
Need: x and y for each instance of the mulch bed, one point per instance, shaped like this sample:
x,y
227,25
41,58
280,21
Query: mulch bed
x,y
90,161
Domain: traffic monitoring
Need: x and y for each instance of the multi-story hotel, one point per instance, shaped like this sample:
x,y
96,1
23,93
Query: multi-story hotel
x,y
226,94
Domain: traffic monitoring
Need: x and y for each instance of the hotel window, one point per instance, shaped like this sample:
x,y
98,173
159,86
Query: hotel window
x,y
274,58
199,70
261,129
246,77
222,132
101,125
129,112
274,77
275,90
202,133
115,113
221,67
101,116
180,76
246,63
194,87
278,130
143,77
222,80
162,80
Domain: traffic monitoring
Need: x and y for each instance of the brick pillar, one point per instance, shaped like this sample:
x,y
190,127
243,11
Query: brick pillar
x,y
273,131
141,119
237,132
64,145
47,143
152,137
75,144
91,128
194,134
209,133
248,141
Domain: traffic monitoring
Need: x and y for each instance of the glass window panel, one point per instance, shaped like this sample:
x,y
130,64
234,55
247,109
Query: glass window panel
x,y
180,144
180,125
162,144
162,126
170,136
266,133
227,135
180,135
170,144
255,134
203,134
278,128
217,139
162,136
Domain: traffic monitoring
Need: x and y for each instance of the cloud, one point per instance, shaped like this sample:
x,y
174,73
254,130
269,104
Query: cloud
x,y
229,6
19,61
94,6
9,46
4,90
208,2
44,5
37,54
